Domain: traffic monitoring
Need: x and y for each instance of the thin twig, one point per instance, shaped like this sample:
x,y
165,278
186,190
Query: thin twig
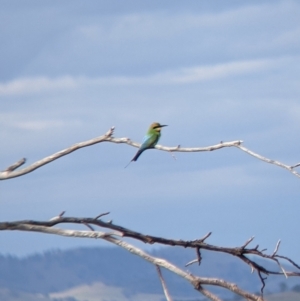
x,y
15,165
276,248
89,226
282,269
262,279
289,168
289,260
192,262
102,214
204,237
247,242
296,165
163,283
199,258
58,216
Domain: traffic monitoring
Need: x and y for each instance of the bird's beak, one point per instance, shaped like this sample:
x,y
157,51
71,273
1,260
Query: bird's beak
x,y
163,125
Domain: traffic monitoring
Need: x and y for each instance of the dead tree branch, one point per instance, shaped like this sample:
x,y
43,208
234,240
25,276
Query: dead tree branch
x,y
196,281
11,172
15,165
163,283
289,168
241,252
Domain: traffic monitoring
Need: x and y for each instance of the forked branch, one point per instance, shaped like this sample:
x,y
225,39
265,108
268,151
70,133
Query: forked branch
x,y
241,252
163,283
196,281
11,171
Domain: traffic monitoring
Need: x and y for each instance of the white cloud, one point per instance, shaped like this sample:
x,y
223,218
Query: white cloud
x,y
144,26
27,121
180,76
203,73
36,85
40,124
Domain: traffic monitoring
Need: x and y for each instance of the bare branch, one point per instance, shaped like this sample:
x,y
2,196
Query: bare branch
x,y
191,262
15,165
199,258
248,242
276,248
196,281
8,175
107,137
163,283
58,216
204,237
262,279
282,269
296,165
289,260
89,226
208,294
62,232
289,168
239,252
102,214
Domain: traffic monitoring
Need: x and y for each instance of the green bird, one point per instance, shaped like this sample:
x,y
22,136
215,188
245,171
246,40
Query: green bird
x,y
150,140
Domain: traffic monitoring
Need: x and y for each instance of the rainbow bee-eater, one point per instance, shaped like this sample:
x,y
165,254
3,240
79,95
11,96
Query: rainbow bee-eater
x,y
150,140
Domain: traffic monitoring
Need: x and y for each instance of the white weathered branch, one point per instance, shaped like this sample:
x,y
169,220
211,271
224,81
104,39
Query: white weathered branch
x,y
163,283
288,167
7,174
11,171
196,281
65,232
209,294
241,252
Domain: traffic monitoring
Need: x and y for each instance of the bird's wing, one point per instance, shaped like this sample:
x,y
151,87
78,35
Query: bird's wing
x,y
149,141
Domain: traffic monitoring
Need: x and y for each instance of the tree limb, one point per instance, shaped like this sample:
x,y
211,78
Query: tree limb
x,y
10,172
15,165
196,281
241,252
289,168
163,283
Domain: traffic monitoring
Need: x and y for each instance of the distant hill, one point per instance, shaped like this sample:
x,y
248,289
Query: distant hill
x,y
49,274
100,292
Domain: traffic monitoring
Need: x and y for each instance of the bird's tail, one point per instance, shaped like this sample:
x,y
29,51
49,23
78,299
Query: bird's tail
x,y
139,152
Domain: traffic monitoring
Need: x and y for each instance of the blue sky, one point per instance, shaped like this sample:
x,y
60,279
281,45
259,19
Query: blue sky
x,y
212,71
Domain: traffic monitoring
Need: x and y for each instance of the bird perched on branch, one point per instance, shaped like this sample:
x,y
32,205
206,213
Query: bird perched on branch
x,y
150,140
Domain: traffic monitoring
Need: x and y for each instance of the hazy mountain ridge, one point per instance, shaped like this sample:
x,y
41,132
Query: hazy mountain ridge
x,y
57,271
